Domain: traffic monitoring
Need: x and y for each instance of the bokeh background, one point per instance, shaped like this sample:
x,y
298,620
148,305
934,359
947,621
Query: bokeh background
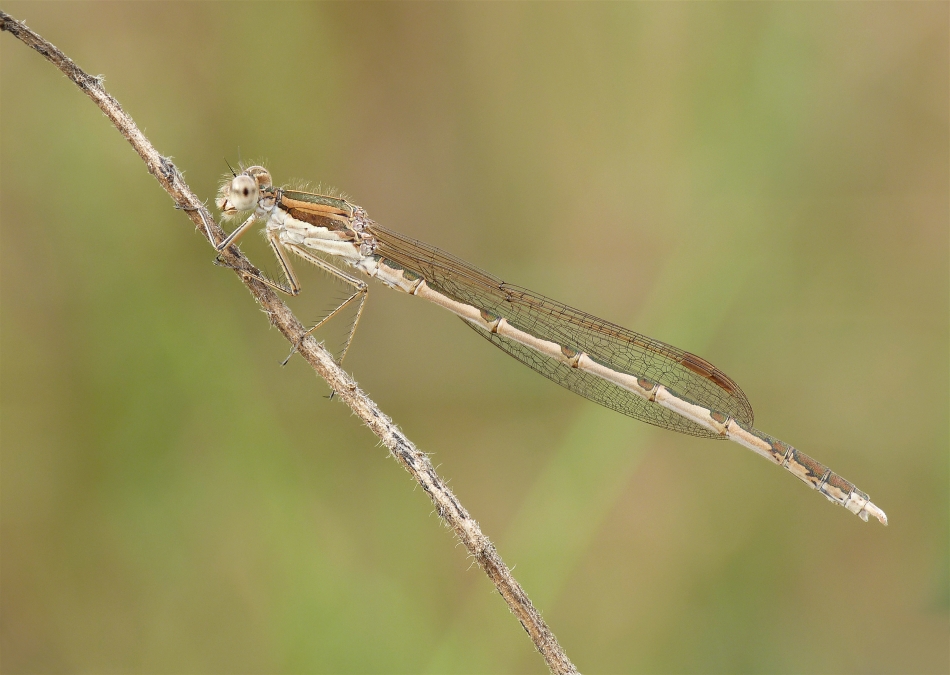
x,y
765,185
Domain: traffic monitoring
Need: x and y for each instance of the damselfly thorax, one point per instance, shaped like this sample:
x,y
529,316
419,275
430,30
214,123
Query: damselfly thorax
x,y
606,363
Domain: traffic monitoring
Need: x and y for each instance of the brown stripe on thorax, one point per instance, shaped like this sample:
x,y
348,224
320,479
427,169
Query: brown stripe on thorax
x,y
318,219
317,210
291,199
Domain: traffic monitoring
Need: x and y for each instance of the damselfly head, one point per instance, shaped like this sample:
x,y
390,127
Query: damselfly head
x,y
242,192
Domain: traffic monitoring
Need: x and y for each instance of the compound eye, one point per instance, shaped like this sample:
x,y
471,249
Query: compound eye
x,y
243,193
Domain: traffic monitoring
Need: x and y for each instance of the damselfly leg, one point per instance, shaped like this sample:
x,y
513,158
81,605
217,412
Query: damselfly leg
x,y
359,296
292,287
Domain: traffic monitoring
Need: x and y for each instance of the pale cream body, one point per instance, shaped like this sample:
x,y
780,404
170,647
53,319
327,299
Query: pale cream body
x,y
294,233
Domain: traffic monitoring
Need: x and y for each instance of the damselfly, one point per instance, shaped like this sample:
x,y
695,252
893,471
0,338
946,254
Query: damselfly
x,y
610,365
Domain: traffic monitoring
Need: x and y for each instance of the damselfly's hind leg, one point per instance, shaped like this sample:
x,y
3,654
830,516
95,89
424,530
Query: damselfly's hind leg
x,y
360,292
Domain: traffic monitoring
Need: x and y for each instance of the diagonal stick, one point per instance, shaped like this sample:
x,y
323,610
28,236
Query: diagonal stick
x,y
414,461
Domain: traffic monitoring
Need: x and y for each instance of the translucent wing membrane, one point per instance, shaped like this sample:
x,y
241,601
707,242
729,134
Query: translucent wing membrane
x,y
622,370
611,345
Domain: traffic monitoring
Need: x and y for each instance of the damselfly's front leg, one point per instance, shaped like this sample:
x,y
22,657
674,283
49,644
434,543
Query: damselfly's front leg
x,y
358,295
239,232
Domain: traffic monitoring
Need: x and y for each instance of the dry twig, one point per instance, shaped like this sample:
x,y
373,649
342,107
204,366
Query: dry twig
x,y
415,462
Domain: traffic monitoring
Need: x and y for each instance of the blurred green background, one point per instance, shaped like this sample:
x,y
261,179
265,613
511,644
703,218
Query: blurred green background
x,y
763,184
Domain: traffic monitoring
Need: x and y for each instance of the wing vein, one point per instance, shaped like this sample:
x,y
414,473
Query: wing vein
x,y
607,343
